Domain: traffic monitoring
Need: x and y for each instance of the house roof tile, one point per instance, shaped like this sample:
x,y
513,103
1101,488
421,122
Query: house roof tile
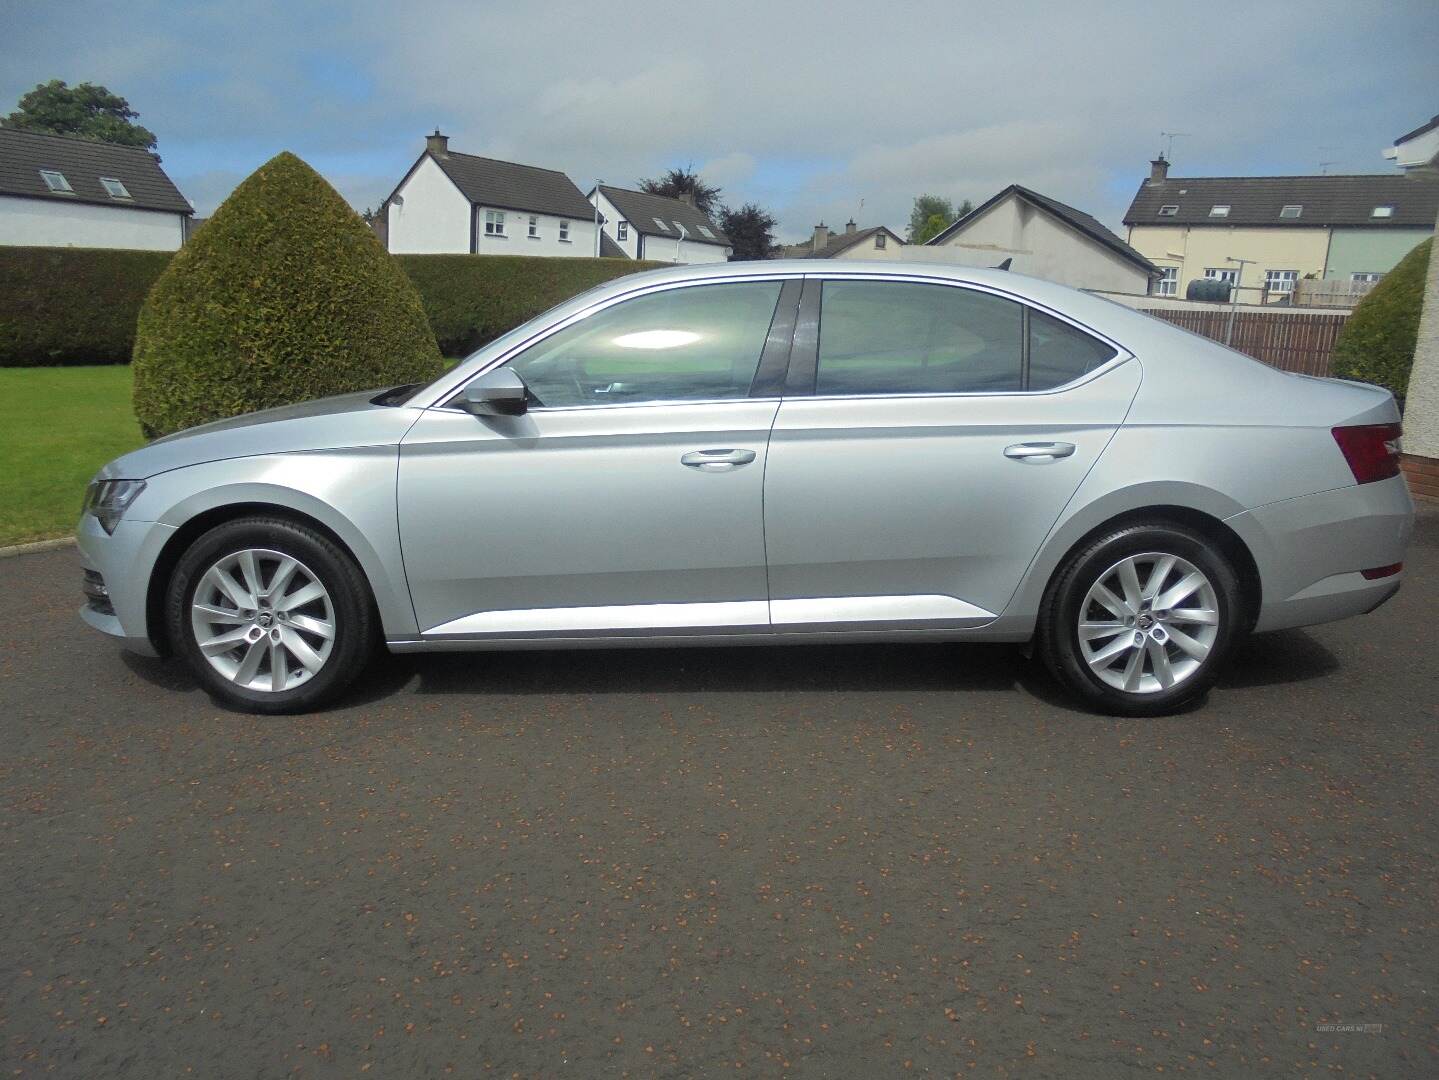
x,y
506,185
641,208
83,162
1258,200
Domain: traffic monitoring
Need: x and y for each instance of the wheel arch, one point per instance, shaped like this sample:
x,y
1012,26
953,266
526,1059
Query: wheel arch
x,y
1200,509
201,522
1229,543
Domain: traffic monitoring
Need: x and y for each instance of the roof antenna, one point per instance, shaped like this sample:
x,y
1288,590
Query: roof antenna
x,y
1170,136
1005,265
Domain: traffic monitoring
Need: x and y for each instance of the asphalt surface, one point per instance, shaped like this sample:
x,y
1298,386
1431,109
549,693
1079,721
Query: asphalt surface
x,y
847,862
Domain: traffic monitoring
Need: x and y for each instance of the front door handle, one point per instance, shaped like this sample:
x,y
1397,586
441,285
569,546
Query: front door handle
x,y
1039,452
717,460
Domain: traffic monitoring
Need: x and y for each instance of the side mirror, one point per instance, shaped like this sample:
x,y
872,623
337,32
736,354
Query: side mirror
x,y
496,393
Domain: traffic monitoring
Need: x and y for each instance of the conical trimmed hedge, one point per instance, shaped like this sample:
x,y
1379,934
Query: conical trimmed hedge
x,y
285,295
1378,340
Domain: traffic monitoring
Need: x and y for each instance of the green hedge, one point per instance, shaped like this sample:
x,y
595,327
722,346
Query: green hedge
x,y
472,299
1378,340
284,296
72,305
79,305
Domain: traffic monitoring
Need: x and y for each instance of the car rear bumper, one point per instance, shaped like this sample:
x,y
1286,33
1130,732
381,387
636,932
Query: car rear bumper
x,y
117,572
1311,551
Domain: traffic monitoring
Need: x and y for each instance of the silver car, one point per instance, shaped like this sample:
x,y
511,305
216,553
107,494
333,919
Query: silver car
x,y
768,453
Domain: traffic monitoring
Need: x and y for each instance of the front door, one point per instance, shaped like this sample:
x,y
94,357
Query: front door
x,y
626,501
936,435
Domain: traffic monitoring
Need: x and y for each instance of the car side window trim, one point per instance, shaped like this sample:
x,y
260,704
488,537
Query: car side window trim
x,y
764,387
769,377
804,356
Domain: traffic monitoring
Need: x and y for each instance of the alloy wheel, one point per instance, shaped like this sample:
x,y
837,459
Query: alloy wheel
x,y
1148,623
263,620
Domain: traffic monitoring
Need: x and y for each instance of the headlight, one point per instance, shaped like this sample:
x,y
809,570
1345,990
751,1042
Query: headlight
x,y
109,499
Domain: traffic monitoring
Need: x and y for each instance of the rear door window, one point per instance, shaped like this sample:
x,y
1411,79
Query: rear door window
x,y
892,337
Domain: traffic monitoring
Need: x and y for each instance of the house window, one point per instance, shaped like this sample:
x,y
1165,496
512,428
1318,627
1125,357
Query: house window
x,y
1216,273
55,181
1219,210
1167,283
534,227
1291,211
880,239
622,231
1280,281
494,223
114,187
1365,277
663,227
564,232
707,232
1382,211
1168,210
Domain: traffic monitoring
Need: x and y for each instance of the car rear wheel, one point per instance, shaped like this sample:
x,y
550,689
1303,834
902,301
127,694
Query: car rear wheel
x,y
1138,621
271,616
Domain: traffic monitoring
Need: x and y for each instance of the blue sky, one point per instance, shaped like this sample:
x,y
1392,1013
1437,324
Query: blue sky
x,y
819,111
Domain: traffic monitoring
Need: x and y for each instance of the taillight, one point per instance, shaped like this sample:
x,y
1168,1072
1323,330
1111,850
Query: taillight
x,y
1372,450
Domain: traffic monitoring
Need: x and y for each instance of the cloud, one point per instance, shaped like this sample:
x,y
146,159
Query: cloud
x,y
816,110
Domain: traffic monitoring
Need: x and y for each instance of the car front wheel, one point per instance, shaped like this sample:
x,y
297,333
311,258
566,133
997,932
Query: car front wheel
x,y
1138,621
271,616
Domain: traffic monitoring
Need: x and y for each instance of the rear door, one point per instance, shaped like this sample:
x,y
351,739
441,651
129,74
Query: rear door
x,y
929,437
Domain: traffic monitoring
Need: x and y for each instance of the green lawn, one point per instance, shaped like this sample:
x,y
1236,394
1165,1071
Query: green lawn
x,y
57,426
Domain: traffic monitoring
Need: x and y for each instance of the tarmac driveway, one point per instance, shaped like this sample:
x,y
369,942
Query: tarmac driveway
x,y
848,862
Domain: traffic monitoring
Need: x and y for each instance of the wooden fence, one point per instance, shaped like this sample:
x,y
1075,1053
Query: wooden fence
x,y
1290,342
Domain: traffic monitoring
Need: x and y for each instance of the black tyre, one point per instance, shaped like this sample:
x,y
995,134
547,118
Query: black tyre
x,y
271,616
1137,622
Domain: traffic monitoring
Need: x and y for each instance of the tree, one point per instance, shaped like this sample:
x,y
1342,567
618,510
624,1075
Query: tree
x,y
932,214
750,230
285,295
87,110
1378,340
684,181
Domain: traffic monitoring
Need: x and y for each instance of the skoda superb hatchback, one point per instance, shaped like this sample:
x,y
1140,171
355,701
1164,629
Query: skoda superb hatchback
x,y
768,453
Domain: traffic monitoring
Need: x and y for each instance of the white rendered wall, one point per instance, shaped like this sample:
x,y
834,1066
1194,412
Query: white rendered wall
x,y
47,223
430,216
517,240
1040,246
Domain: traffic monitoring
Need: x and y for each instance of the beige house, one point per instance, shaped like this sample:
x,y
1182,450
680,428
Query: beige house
x,y
1042,237
875,243
1264,234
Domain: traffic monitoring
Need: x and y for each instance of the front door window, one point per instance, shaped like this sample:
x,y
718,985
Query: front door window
x,y
701,343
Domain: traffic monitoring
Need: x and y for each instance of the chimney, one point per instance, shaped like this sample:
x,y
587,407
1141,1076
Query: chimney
x,y
849,227
437,144
687,197
821,237
1158,170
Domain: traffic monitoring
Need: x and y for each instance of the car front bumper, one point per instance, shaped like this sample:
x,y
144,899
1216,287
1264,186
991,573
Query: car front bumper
x,y
123,562
1311,551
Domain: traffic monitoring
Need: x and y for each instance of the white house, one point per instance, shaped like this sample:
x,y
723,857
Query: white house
x,y
1042,237
644,226
453,203
58,191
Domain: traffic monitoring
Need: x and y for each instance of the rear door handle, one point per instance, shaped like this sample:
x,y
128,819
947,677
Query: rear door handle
x,y
1039,452
717,460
